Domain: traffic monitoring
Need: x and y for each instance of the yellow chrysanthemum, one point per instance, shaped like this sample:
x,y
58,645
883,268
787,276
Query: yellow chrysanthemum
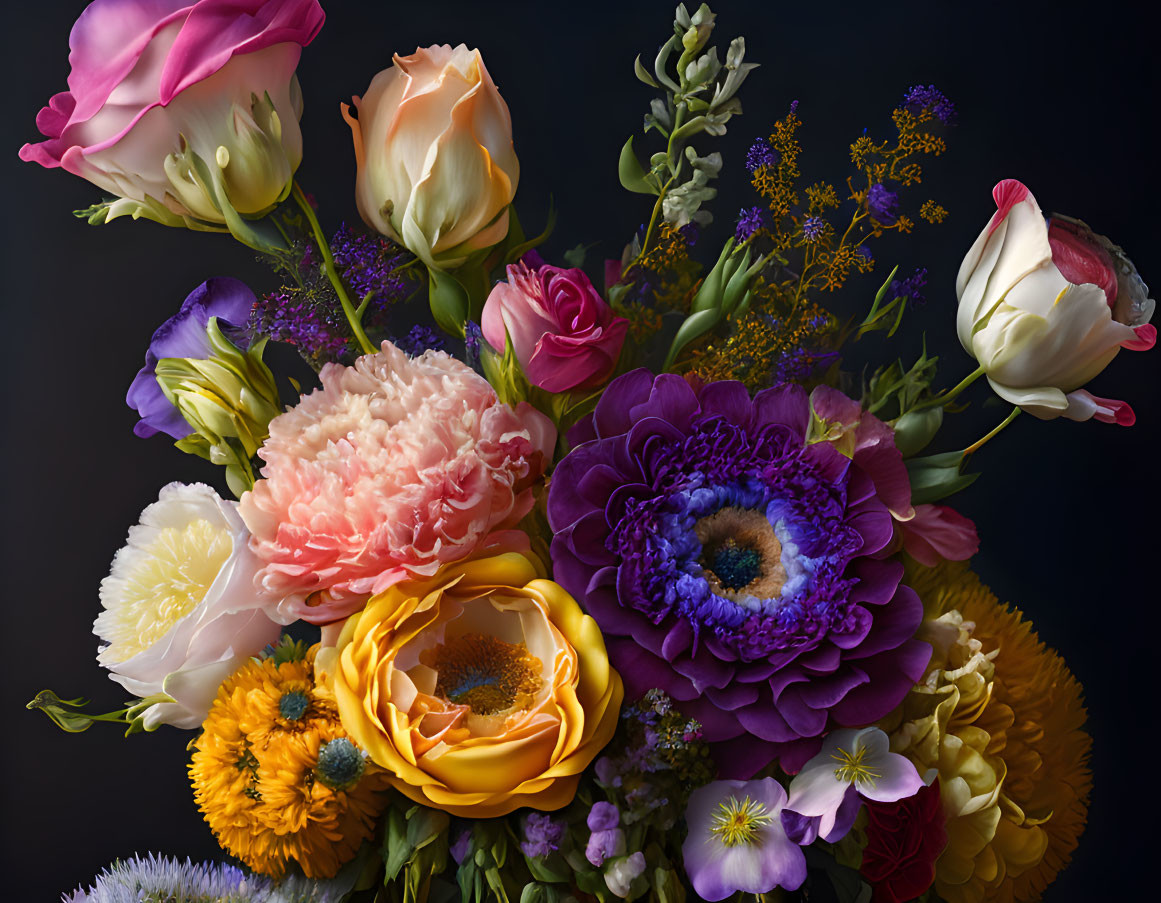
x,y
999,717
276,776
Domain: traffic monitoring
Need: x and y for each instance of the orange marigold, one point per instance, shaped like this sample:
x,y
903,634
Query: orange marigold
x,y
277,777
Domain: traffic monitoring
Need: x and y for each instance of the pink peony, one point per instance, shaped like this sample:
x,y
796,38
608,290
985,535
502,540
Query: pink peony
x,y
394,467
938,531
563,333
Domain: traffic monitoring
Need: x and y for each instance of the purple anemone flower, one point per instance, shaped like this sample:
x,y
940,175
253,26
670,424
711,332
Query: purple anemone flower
x,y
731,563
184,335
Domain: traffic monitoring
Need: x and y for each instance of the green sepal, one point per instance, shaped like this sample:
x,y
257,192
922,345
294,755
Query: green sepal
x,y
287,649
254,232
537,892
632,173
518,250
66,714
936,477
449,301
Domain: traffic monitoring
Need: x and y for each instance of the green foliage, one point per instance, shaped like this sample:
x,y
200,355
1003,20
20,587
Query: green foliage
x,y
481,874
287,649
415,848
67,715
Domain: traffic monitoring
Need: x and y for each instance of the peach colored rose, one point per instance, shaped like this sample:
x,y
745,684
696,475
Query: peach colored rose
x,y
436,166
392,468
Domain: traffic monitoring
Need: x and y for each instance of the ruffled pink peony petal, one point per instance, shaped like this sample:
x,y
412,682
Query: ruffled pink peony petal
x,y
391,469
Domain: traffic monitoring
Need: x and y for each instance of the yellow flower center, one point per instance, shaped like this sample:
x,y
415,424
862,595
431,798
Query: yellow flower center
x,y
486,674
169,579
737,822
852,769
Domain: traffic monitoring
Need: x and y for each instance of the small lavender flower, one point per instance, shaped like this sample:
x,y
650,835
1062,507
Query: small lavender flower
x,y
290,315
419,339
760,154
883,204
750,220
812,228
473,336
920,98
911,287
542,835
865,252
603,817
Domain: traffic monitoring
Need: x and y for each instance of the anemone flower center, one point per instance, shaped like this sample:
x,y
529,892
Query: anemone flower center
x,y
737,822
852,768
741,554
486,674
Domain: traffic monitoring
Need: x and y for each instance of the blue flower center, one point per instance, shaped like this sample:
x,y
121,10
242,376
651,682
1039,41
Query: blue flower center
x,y
293,704
340,764
486,674
735,565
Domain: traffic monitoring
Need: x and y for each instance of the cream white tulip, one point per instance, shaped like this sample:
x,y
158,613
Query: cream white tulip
x,y
436,166
1045,306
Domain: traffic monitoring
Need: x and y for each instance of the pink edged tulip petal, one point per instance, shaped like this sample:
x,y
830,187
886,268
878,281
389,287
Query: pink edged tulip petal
x,y
1084,405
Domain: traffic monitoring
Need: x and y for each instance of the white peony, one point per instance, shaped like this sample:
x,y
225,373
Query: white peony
x,y
181,610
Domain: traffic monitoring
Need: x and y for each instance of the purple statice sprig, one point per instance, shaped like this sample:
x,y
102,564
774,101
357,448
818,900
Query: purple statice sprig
x,y
912,288
308,315
751,220
928,97
760,154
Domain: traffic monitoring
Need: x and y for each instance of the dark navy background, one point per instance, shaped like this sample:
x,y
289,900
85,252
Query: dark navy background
x,y
1061,95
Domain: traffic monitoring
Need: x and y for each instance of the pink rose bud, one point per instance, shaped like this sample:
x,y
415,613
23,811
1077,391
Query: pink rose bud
x,y
563,333
163,93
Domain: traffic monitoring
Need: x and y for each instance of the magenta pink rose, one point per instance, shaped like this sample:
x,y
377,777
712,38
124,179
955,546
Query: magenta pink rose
x,y
154,82
563,333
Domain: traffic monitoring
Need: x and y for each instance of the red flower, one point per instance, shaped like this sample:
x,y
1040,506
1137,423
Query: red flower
x,y
903,841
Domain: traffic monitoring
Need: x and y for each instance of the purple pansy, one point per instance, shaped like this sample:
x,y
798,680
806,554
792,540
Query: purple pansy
x,y
736,841
852,765
731,564
184,335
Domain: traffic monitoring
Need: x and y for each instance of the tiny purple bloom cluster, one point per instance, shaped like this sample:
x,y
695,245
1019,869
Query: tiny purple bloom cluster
x,y
883,205
813,227
419,339
920,98
911,288
750,220
542,835
760,154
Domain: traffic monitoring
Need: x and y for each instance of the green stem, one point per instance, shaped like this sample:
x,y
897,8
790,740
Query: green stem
x,y
949,396
995,432
679,116
332,273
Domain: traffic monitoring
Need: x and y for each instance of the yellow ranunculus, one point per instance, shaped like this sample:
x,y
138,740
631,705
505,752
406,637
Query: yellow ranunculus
x,y
480,690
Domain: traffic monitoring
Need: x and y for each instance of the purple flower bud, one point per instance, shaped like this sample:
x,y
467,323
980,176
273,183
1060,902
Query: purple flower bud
x,y
607,772
603,817
604,845
542,835
461,846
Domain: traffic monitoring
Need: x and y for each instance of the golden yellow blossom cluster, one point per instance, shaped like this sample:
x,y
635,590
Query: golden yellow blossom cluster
x,y
277,777
999,717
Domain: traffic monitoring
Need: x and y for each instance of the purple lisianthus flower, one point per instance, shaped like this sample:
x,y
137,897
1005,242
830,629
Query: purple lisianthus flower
x,y
184,335
736,841
883,204
731,563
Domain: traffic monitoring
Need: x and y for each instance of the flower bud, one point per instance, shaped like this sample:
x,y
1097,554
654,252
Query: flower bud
x,y
436,166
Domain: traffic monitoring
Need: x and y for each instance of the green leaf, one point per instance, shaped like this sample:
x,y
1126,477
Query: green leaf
x,y
936,477
396,850
449,301
631,173
643,74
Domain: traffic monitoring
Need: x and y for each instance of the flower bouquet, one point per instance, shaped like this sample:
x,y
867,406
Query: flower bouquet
x,y
576,579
